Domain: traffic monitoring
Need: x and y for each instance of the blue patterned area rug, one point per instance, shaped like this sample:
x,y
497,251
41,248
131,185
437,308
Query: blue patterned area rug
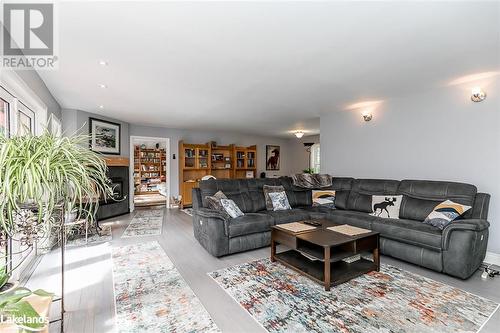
x,y
392,300
145,223
151,295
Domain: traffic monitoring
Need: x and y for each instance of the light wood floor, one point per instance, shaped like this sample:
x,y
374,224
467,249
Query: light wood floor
x,y
89,285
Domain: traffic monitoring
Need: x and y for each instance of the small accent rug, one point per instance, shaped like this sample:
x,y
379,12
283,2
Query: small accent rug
x,y
94,238
392,300
188,211
151,295
145,223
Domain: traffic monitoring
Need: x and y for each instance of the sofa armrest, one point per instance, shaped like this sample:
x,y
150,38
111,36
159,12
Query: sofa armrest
x,y
211,229
196,198
476,225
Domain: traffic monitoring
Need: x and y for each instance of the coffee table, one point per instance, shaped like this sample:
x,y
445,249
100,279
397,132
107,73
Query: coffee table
x,y
319,253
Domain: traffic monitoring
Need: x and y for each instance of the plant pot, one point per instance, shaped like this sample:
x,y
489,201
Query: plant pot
x,y
9,286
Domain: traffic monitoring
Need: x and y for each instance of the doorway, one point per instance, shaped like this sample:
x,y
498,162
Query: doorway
x,y
149,172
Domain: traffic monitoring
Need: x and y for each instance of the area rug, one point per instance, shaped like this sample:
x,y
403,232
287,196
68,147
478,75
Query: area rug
x,y
145,223
93,238
188,211
392,300
151,295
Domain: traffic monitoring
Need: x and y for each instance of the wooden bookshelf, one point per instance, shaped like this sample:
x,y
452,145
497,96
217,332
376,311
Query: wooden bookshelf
x,y
149,169
198,160
245,161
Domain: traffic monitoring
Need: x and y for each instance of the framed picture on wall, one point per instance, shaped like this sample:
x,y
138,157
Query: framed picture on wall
x,y
104,136
272,157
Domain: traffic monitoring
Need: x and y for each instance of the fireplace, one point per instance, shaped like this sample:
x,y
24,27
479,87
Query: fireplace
x,y
119,203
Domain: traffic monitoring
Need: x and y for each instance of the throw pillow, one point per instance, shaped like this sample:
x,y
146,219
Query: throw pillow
x,y
444,213
213,202
271,189
231,208
324,198
279,201
386,206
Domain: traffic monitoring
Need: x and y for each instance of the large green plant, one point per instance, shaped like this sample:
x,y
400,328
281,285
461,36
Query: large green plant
x,y
48,171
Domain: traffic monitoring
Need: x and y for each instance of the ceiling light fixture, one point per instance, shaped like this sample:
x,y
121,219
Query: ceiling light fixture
x,y
103,62
478,95
101,106
299,134
102,85
367,115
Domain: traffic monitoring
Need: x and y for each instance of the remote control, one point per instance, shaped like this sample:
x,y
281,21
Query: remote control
x,y
315,224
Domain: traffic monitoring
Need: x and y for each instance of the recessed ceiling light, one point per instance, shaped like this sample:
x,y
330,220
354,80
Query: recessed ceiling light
x,y
102,85
103,62
101,106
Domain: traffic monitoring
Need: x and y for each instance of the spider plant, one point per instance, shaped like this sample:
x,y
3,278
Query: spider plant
x,y
49,172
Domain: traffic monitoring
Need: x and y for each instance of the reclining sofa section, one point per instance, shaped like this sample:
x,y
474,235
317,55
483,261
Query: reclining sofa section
x,y
458,250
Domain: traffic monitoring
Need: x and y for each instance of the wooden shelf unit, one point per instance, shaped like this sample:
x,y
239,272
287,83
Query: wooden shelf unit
x,y
149,169
198,160
245,160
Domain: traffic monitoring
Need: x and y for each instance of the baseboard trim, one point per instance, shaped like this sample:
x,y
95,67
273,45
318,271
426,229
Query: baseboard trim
x,y
492,258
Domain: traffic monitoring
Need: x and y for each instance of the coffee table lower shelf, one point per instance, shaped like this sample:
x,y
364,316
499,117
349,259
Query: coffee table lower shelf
x,y
340,271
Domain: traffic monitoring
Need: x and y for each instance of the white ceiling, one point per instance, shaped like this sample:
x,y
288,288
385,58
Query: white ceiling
x,y
264,68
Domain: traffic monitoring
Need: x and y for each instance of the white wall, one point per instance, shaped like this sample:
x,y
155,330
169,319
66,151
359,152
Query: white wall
x,y
438,135
299,154
222,138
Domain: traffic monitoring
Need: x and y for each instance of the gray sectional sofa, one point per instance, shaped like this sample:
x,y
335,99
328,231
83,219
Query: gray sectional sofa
x,y
458,250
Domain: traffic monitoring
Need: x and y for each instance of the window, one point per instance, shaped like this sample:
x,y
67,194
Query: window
x,y
25,120
315,157
4,117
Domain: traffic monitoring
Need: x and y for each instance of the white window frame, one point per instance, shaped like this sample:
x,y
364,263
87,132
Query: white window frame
x,y
315,161
4,95
23,97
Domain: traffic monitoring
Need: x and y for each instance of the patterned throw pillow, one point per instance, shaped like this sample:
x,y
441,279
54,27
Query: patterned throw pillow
x,y
386,206
231,208
271,189
213,202
444,213
324,198
279,201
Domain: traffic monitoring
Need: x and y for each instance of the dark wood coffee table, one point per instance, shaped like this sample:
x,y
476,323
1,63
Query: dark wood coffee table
x,y
319,253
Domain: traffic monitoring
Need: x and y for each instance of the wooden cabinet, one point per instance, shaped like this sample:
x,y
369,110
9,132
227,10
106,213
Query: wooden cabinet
x,y
245,162
198,160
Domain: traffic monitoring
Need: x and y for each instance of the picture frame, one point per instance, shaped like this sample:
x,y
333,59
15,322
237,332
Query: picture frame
x,y
105,136
273,157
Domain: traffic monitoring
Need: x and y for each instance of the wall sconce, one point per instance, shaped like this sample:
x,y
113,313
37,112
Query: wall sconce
x,y
367,116
478,95
299,134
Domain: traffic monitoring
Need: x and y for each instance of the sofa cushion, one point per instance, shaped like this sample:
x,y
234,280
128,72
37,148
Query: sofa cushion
x,y
358,219
234,189
249,223
360,197
255,189
409,231
296,196
421,196
287,216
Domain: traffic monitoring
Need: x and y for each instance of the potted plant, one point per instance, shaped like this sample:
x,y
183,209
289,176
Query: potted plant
x,y
41,177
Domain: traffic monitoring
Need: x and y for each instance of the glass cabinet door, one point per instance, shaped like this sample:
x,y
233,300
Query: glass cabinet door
x,y
203,158
189,158
251,159
240,159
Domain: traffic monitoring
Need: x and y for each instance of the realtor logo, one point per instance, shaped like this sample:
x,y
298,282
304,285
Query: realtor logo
x,y
28,36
